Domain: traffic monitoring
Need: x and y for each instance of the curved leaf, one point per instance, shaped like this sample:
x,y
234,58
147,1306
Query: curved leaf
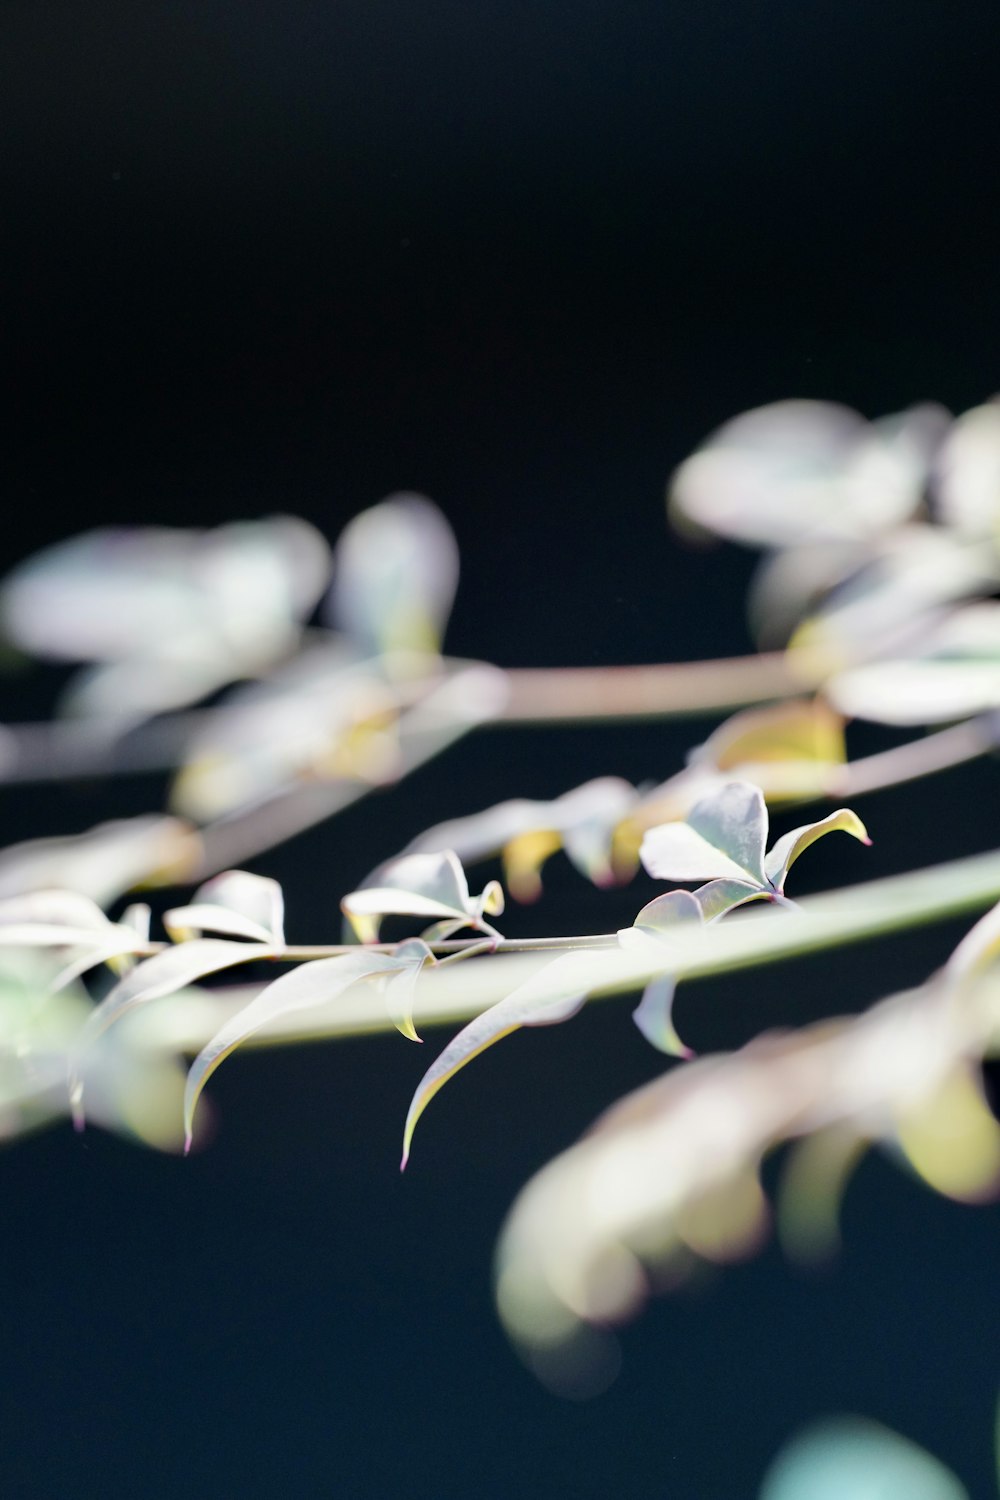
x,y
799,471
723,836
311,984
852,1458
582,821
236,903
395,575
655,922
105,861
421,885
788,848
721,896
163,974
524,1006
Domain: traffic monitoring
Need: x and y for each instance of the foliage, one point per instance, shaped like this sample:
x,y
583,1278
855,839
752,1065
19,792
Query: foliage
x,y
874,600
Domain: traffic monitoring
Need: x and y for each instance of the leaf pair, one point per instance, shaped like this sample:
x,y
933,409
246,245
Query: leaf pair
x,y
723,842
423,885
66,920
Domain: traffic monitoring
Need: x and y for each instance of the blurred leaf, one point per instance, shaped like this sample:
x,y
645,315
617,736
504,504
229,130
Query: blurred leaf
x,y
952,673
799,471
422,885
978,949
235,903
852,1458
968,473
395,575
322,714
163,974
583,821
311,984
952,1140
660,1169
799,730
816,1172
66,919
105,861
886,608
531,1004
170,615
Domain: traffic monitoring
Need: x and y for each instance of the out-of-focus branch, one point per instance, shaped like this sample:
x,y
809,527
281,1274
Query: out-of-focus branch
x,y
62,749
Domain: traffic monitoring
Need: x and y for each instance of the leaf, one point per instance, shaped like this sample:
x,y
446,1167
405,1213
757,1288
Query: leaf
x,y
655,922
524,1006
662,915
236,903
978,949
721,896
723,836
161,975
852,1458
787,849
311,984
952,1140
806,471
400,987
395,575
54,908
968,472
322,713
65,919
105,861
202,608
421,885
582,820
801,729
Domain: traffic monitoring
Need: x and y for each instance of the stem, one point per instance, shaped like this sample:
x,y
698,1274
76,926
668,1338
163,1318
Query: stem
x,y
939,751
588,695
447,994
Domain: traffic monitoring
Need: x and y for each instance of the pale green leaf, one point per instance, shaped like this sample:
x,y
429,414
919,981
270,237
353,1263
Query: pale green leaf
x,y
161,975
723,836
105,861
721,896
582,821
54,908
531,1004
235,903
978,949
655,922
311,984
395,575
788,848
654,1017
968,472
852,1458
421,885
802,471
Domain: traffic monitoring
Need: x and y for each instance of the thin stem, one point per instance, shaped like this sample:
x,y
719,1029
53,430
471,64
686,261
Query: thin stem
x,y
940,751
588,695
449,995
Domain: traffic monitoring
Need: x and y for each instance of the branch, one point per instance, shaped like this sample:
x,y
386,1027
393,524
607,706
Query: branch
x,y
450,994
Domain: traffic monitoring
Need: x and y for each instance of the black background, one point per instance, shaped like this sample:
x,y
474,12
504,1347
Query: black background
x,y
522,257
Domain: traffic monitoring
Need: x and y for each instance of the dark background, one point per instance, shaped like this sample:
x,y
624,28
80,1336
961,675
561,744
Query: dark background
x,y
522,257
